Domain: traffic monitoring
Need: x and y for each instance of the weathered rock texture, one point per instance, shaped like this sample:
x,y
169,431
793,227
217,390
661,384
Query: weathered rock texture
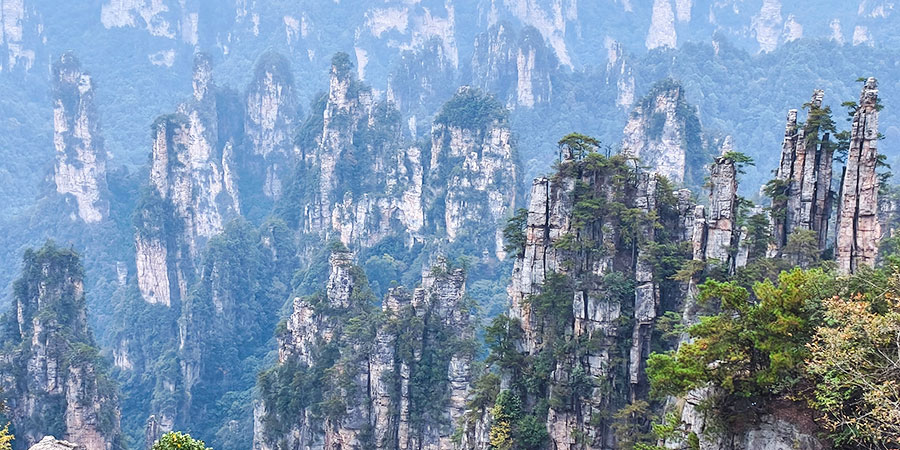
x,y
721,235
51,443
613,295
663,131
52,377
466,185
80,170
857,222
515,67
348,135
270,122
193,191
474,170
804,200
403,383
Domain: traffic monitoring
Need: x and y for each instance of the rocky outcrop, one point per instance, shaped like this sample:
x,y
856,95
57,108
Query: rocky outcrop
x,y
603,296
53,379
403,382
270,122
422,79
51,443
662,26
783,425
857,222
21,31
664,133
80,170
515,67
803,200
473,170
349,134
721,233
193,191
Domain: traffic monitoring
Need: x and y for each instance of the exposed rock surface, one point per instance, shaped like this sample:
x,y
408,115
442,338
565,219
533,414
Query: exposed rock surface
x,y
466,186
417,335
805,176
858,229
350,135
664,132
51,443
473,170
80,169
270,121
52,377
556,227
721,230
515,67
193,191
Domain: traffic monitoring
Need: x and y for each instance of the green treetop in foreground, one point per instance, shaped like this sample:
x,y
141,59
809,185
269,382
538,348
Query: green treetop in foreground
x,y
178,441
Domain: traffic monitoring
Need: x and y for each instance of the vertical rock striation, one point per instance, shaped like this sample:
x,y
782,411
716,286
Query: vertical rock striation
x,y
270,122
52,376
80,169
721,234
803,200
663,131
515,67
402,375
473,170
585,281
193,191
857,223
349,134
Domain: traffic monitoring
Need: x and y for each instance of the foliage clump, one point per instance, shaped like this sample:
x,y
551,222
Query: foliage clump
x,y
175,440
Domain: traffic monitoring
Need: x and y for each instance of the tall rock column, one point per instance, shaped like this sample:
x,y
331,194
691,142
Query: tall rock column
x,y
804,199
720,233
193,191
857,223
473,168
50,371
270,122
664,132
80,169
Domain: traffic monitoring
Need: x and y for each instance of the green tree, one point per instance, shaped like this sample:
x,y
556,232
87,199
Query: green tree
x,y
756,346
856,357
739,159
578,145
514,232
175,440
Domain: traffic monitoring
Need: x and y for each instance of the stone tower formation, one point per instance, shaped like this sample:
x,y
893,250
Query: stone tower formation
x,y
804,198
80,169
857,222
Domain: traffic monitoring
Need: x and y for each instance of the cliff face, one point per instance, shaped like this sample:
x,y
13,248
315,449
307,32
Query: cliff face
x,y
473,171
664,132
466,173
600,305
53,378
193,191
395,378
349,134
515,67
858,229
423,79
804,198
270,122
80,169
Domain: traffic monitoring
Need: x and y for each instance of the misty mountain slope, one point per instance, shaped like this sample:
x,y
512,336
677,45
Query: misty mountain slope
x,y
447,224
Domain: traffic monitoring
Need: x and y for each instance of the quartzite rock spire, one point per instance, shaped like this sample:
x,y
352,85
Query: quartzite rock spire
x,y
857,223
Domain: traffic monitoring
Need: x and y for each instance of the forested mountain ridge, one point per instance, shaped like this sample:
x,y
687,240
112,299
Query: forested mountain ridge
x,y
281,276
